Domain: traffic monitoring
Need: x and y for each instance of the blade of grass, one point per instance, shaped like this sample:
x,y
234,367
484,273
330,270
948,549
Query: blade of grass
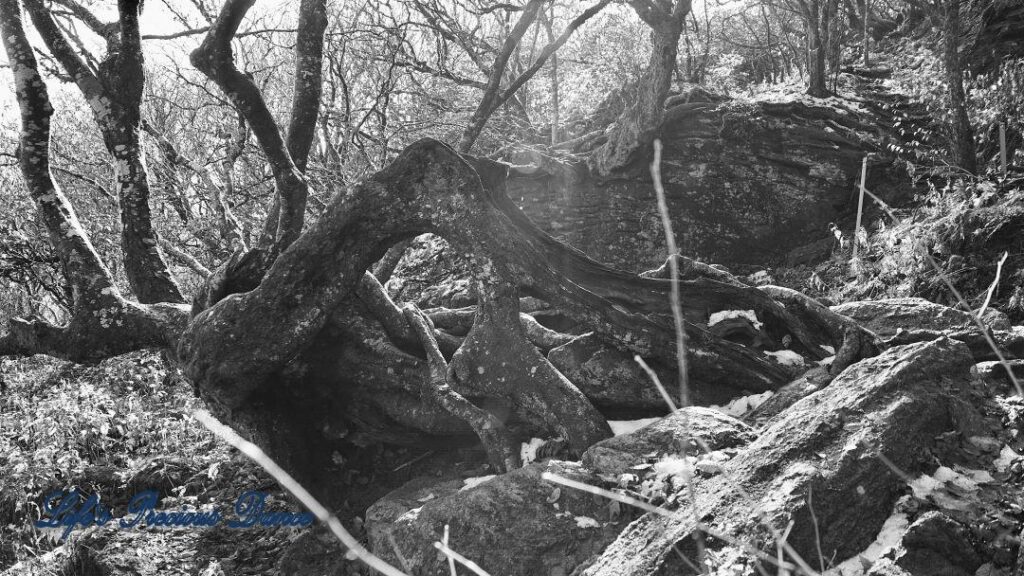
x,y
451,559
995,283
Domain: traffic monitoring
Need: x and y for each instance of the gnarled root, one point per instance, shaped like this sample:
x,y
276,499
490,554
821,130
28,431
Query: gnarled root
x,y
438,388
498,360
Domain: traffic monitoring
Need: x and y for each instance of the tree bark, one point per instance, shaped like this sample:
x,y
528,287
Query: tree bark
x,y
115,96
635,128
962,136
816,57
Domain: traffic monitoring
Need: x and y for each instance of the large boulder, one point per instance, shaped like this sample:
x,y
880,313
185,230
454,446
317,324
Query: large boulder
x,y
687,430
515,524
746,182
816,471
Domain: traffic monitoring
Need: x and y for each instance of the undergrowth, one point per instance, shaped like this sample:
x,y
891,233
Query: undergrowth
x,y
95,428
965,227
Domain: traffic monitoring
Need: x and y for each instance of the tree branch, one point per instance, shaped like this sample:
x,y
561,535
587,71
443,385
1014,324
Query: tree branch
x,y
309,54
548,50
215,59
487,104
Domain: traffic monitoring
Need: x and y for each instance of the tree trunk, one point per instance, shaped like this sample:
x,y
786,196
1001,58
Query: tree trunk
x,y
815,57
867,39
635,128
114,93
147,272
962,135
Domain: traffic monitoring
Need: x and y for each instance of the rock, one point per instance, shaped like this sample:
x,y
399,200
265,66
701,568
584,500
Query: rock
x,y
995,374
611,378
667,436
811,381
888,316
316,551
902,321
1019,568
747,182
996,319
605,375
515,524
810,253
827,444
936,545
1010,342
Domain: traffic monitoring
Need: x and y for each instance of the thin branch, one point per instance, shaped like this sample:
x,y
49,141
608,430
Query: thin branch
x,y
185,258
487,104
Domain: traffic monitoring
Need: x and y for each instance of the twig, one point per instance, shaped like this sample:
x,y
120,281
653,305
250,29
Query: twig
x,y
860,212
451,559
677,316
291,485
657,383
978,322
455,556
814,522
398,552
413,461
673,263
995,283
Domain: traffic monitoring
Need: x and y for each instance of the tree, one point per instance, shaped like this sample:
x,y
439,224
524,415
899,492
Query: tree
x,y
819,29
641,116
961,133
114,93
297,345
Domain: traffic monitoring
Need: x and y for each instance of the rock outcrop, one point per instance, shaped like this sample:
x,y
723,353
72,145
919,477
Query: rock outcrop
x,y
826,470
888,316
904,320
746,182
686,431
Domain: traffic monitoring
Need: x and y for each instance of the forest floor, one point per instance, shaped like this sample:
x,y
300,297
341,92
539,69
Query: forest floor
x,y
126,425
